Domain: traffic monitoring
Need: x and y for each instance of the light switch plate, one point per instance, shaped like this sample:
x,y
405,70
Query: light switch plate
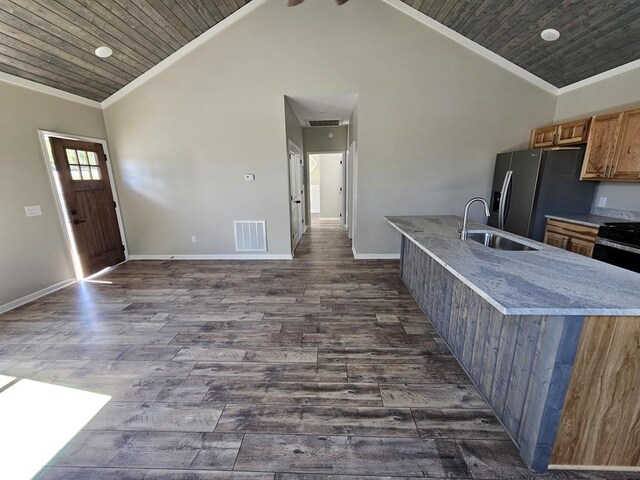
x,y
33,210
250,177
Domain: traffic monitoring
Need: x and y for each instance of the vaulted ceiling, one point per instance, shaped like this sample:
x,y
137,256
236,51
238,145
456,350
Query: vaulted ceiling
x,y
595,35
52,42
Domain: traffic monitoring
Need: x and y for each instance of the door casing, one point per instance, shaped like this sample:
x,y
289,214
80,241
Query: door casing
x,y
343,218
44,135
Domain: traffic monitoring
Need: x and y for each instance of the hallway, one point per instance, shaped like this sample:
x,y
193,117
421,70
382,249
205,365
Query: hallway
x,y
322,365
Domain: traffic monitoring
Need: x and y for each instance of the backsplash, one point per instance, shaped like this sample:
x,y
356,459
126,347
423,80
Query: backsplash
x,y
615,213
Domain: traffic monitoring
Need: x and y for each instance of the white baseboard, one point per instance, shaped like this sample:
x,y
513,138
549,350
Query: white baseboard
x,y
232,256
605,468
332,219
375,256
36,295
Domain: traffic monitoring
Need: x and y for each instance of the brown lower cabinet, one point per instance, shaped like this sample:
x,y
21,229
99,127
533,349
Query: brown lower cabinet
x,y
575,237
599,426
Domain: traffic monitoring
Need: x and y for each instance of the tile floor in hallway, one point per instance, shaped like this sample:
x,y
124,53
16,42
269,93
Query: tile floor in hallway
x,y
320,367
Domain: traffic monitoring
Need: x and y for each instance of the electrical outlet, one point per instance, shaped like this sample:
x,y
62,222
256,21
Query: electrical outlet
x,y
33,210
193,239
602,202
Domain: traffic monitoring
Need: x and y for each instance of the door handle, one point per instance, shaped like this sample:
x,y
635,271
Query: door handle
x,y
298,201
77,222
503,199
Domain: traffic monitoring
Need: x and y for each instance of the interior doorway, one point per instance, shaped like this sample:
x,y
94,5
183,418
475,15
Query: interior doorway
x,y
86,199
326,187
296,194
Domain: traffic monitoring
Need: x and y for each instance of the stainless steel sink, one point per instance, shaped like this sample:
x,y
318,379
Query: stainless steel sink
x,y
494,240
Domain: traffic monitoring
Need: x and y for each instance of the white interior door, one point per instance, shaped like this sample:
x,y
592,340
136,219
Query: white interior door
x,y
331,186
296,194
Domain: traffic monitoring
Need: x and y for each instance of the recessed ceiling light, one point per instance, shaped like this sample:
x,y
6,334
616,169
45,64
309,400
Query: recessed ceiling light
x,y
104,52
550,35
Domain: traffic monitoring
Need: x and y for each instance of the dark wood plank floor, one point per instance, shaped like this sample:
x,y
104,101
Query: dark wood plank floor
x,y
321,367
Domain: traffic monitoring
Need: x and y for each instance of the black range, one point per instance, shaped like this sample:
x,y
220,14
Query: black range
x,y
618,243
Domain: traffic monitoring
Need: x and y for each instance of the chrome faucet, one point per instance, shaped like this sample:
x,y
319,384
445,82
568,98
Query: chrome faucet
x,y
463,230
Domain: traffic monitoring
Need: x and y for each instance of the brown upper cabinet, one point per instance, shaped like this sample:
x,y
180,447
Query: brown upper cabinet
x,y
627,159
613,151
543,137
568,133
613,144
601,149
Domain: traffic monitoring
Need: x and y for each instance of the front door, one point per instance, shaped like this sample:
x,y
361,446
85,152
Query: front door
x,y
84,178
296,194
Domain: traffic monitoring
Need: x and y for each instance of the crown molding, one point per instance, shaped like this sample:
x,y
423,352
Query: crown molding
x,y
184,51
473,46
614,72
39,87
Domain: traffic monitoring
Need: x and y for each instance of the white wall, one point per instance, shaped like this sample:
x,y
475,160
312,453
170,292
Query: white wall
x,y
33,252
616,93
432,116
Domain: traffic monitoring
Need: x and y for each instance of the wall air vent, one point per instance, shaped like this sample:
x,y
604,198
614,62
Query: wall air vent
x,y
324,123
251,235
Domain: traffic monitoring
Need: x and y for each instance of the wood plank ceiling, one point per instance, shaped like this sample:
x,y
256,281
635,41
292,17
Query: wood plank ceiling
x,y
52,42
595,35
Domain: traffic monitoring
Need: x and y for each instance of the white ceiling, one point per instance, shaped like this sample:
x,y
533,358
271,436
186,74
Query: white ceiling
x,y
325,107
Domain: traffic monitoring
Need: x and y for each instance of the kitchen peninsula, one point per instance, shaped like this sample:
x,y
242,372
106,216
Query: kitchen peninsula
x,y
550,338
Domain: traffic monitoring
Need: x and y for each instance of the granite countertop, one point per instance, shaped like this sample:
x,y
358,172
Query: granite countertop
x,y
588,220
549,281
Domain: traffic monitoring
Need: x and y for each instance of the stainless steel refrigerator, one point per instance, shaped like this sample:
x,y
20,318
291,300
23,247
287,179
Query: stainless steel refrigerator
x,y
529,184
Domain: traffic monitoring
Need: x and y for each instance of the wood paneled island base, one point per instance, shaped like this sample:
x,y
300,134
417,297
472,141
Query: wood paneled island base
x,y
565,387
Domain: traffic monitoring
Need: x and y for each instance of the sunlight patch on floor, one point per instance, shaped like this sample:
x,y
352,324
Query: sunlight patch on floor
x,y
38,419
4,380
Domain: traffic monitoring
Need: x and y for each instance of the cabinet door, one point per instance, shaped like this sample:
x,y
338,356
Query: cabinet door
x,y
581,247
543,137
627,164
601,148
556,240
572,133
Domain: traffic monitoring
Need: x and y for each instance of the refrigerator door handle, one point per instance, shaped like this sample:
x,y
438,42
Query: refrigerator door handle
x,y
503,199
507,200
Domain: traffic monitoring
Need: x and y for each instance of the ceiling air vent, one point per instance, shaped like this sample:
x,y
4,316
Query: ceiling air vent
x,y
324,123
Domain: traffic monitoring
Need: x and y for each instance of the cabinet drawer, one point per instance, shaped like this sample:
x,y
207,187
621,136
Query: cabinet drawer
x,y
576,230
